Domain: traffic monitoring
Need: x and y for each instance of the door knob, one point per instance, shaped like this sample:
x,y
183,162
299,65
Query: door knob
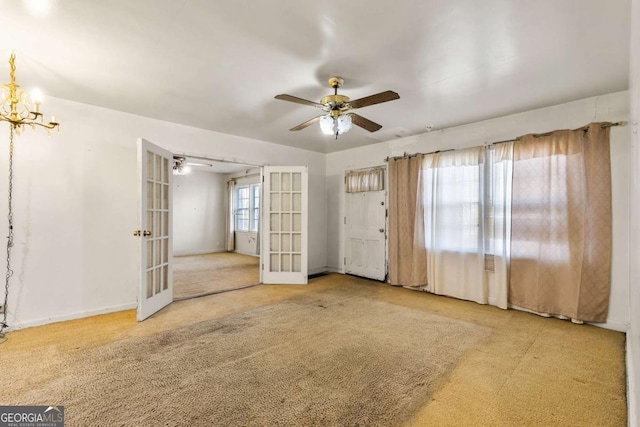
x,y
136,233
382,230
146,233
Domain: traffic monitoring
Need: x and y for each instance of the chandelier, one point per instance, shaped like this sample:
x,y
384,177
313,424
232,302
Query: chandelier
x,y
19,109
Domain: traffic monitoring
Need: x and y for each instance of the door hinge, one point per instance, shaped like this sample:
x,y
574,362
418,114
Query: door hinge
x,y
345,220
263,266
344,262
386,213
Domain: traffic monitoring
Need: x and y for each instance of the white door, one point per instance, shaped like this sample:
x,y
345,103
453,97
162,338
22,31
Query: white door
x,y
284,226
365,225
156,200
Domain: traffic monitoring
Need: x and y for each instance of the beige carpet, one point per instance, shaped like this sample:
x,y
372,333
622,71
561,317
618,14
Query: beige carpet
x,y
324,360
519,369
198,275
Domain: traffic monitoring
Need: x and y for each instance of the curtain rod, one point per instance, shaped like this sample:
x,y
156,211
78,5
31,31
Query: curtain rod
x,y
235,178
537,135
368,169
584,128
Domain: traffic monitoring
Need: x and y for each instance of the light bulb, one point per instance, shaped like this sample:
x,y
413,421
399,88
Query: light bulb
x,y
36,95
327,124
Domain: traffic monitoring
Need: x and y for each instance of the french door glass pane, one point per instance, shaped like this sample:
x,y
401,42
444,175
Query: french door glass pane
x,y
286,201
297,181
165,278
297,202
274,262
275,181
286,182
297,243
275,202
274,244
296,261
149,283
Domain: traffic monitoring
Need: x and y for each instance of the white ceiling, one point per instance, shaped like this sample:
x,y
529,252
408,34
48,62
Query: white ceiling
x,y
218,64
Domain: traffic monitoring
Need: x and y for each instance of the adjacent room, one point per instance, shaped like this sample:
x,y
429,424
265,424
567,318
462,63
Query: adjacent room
x,y
321,213
216,218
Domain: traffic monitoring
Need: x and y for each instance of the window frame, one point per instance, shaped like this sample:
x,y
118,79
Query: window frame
x,y
249,213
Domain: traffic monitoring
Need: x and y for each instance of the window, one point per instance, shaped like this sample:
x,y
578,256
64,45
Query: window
x,y
452,201
248,208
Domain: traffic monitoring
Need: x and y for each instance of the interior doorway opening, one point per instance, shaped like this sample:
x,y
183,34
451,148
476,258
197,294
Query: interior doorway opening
x,y
216,226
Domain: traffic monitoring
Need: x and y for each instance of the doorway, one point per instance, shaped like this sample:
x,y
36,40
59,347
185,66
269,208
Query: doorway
x,y
216,221
366,223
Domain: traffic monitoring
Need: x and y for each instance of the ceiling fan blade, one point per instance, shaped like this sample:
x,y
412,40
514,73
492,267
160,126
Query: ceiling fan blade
x,y
374,99
305,124
297,100
364,123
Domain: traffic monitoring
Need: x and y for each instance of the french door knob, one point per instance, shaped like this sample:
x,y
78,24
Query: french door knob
x,y
146,233
382,230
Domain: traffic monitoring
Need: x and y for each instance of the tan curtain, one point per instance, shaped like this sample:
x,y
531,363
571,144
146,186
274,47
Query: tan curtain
x,y
407,256
365,180
561,224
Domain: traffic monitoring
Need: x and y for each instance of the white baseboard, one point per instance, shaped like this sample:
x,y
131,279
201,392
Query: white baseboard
x,y
248,253
71,316
613,325
334,270
202,252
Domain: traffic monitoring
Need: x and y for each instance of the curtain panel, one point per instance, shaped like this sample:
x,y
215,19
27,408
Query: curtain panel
x,y
407,257
561,224
365,180
454,208
498,219
229,237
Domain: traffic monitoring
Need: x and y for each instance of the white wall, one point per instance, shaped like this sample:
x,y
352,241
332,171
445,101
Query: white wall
x,y
612,107
633,334
199,212
76,206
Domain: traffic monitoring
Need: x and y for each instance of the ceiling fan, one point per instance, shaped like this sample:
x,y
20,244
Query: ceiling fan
x,y
339,115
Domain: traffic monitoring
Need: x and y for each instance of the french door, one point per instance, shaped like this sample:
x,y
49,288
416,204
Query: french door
x,y
155,166
284,226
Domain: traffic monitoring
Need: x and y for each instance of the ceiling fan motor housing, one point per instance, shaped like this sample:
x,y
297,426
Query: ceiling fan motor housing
x,y
335,104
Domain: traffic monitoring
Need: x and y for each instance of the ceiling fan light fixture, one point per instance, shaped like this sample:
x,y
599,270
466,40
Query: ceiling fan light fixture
x,y
180,166
344,124
327,124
